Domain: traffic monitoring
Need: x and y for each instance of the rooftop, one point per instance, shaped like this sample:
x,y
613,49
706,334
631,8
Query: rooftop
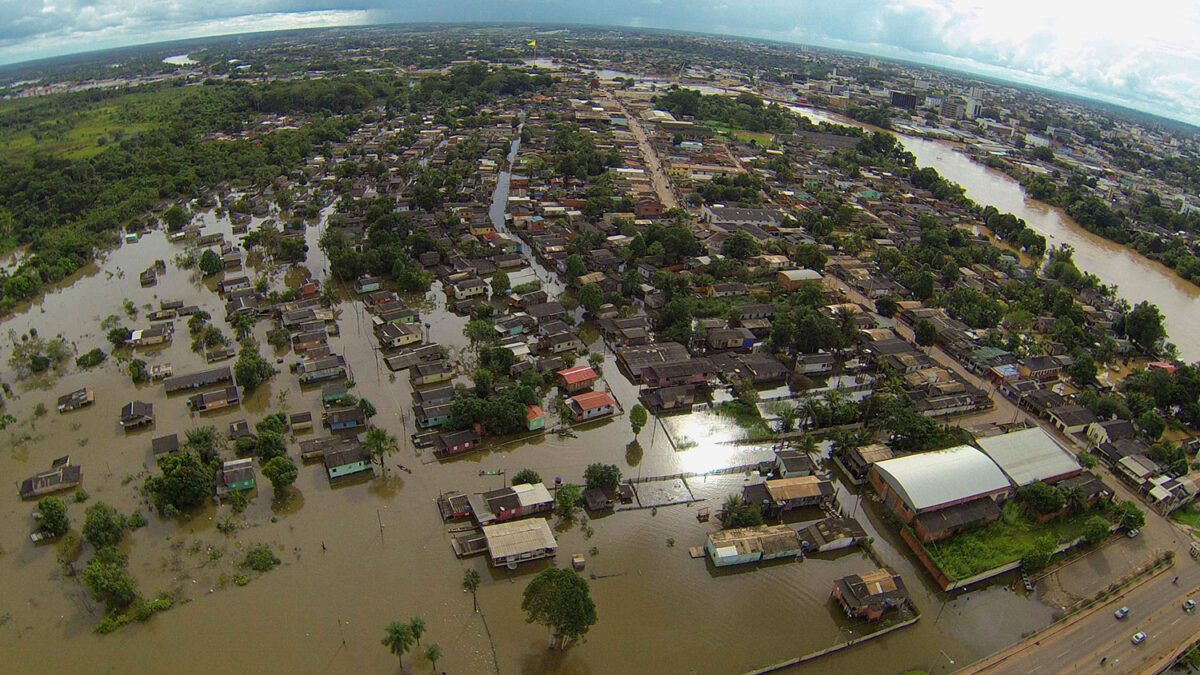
x,y
1029,455
518,536
930,479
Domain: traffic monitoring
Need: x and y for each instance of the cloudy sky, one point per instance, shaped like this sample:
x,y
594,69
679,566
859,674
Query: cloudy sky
x,y
1141,54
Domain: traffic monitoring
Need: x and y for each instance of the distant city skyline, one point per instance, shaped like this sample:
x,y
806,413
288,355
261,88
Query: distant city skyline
x,y
1141,56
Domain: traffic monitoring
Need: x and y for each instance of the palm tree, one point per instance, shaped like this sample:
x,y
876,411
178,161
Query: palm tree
x,y
329,295
733,504
416,626
399,639
379,443
433,654
243,323
470,583
844,316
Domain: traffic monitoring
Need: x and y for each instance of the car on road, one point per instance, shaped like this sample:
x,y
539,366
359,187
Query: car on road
x,y
1189,606
1121,613
1133,533
1138,638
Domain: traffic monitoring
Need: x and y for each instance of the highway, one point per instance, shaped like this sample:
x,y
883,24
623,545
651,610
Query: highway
x,y
1156,608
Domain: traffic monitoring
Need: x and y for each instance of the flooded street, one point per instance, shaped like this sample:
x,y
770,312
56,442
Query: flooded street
x,y
374,551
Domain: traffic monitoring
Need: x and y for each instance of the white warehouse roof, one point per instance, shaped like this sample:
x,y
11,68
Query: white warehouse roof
x,y
929,479
1029,455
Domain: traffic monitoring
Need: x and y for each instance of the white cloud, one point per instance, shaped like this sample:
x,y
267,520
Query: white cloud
x,y
1142,54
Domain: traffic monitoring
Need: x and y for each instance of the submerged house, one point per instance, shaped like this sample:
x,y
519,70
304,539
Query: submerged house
x,y
784,494
136,414
519,541
868,596
430,373
742,545
592,405
510,503
207,378
456,441
235,475
322,368
214,400
346,459
75,400
349,417
61,476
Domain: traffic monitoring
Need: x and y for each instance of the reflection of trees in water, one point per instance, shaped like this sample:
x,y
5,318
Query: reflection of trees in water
x,y
633,453
386,487
287,501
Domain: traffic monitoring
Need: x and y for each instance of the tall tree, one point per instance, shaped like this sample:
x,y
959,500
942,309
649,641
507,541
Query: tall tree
x,y
433,654
52,512
638,418
379,444
398,639
560,600
103,526
470,582
416,626
1144,326
281,471
243,323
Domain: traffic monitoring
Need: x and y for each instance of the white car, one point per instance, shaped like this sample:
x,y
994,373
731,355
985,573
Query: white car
x,y
1121,613
1138,638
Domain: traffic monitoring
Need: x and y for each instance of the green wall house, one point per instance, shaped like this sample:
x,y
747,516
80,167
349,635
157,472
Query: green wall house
x,y
346,461
236,476
535,417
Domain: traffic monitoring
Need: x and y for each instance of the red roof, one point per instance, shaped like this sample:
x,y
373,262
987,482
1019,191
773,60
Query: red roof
x,y
532,412
593,399
577,374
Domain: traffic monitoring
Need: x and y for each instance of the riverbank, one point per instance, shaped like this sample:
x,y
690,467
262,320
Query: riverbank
x,y
1135,277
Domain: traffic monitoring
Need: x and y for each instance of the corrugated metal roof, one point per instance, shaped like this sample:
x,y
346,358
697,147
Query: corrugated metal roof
x,y
518,536
931,479
529,494
1029,455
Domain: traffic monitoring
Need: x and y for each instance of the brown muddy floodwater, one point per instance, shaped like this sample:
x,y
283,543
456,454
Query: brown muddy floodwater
x,y
1137,277
360,556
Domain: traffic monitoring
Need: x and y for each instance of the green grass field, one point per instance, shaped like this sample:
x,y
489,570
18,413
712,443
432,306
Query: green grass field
x,y
1006,540
1188,516
82,131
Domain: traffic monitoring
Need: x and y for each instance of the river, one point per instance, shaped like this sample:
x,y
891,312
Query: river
x,y
1136,277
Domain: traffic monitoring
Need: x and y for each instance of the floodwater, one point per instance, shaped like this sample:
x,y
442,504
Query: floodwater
x,y
363,554
1137,277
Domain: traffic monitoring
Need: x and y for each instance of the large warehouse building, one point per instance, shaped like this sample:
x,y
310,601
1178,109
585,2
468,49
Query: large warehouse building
x,y
1030,455
939,493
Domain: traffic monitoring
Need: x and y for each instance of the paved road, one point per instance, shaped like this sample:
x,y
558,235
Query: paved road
x,y
658,177
1077,647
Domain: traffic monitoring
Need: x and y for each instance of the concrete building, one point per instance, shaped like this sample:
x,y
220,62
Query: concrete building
x,y
939,493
